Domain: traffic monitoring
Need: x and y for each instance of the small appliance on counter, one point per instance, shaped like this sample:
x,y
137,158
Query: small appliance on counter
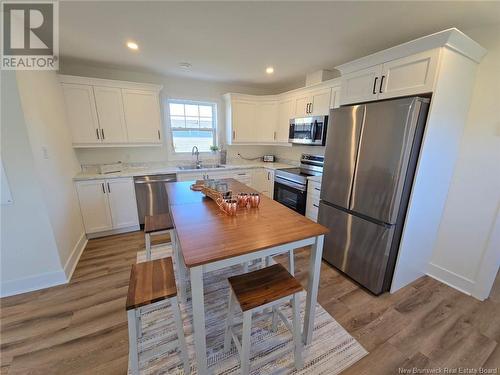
x,y
110,168
269,158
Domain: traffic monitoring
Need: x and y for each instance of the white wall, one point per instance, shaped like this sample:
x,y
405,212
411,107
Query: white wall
x,y
29,255
54,158
464,252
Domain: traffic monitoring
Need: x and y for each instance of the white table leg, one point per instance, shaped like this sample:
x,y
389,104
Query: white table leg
x,y
291,262
132,338
198,302
312,289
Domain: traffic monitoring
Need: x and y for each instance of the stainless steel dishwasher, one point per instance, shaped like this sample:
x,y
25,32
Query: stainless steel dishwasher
x,y
151,194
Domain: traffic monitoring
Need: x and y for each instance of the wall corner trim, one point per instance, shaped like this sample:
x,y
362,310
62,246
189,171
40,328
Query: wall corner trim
x,y
74,257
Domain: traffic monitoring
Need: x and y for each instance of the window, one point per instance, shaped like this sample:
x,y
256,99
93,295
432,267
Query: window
x,y
192,124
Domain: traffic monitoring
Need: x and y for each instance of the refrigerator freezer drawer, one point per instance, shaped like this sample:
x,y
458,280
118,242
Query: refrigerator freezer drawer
x,y
357,247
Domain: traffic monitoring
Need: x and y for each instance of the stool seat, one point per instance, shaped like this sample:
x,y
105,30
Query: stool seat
x,y
263,286
156,223
151,282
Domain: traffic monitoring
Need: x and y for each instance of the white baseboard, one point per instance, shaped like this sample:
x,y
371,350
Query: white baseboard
x,y
113,231
74,257
450,278
29,284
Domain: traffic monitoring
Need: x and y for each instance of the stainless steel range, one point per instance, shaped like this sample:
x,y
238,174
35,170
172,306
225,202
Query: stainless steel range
x,y
290,184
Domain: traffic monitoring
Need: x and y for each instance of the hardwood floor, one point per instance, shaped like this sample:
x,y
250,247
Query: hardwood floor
x,y
81,327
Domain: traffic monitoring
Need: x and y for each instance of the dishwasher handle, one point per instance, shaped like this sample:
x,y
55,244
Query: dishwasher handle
x,y
152,181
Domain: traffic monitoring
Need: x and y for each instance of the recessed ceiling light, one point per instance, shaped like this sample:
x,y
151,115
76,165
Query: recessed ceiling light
x,y
185,65
269,70
132,45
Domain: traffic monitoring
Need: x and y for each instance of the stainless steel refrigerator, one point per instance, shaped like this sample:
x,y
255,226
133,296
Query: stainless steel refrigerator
x,y
370,159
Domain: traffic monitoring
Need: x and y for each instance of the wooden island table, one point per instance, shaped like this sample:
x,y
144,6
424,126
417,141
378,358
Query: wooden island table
x,y
209,240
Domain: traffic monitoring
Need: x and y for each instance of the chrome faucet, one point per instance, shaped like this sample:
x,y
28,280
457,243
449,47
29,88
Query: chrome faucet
x,y
196,152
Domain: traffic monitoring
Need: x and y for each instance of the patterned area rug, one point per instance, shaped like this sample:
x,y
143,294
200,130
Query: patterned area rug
x,y
331,351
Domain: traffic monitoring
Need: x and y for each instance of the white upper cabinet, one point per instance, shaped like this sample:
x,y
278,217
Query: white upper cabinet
x,y
360,86
243,116
409,75
335,97
81,113
142,116
320,102
266,121
109,106
106,113
313,103
122,202
302,104
286,111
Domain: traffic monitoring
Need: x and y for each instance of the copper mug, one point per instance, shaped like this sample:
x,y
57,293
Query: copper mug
x,y
243,200
254,199
230,206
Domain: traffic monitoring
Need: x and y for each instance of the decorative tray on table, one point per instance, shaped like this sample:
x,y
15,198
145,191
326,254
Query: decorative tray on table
x,y
219,192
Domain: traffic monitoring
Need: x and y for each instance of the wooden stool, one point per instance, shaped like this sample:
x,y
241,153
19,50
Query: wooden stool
x,y
258,290
155,225
152,282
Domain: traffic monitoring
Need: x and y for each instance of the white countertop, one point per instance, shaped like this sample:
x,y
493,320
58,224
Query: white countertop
x,y
168,168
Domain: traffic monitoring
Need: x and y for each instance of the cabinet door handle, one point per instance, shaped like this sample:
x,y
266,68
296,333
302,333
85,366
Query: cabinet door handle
x,y
234,134
109,190
310,108
381,84
268,177
274,135
317,189
315,205
374,85
159,134
102,133
103,189
97,133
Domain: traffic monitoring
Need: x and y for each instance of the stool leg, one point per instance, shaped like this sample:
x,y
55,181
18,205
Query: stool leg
x,y
245,342
147,239
180,334
299,363
275,319
138,322
132,342
291,263
229,323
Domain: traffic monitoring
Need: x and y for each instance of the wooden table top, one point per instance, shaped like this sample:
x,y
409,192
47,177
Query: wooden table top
x,y
207,234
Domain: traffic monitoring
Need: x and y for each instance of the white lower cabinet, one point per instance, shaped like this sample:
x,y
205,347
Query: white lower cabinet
x,y
312,200
107,204
263,181
122,202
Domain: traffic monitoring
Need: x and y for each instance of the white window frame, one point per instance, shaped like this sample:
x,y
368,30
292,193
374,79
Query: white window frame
x,y
170,129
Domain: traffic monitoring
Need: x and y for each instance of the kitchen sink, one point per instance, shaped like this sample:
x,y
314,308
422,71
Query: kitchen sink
x,y
193,166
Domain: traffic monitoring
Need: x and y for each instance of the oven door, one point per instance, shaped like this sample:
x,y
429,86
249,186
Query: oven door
x,y
290,194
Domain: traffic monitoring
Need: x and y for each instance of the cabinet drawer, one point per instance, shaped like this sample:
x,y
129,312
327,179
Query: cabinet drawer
x,y
314,189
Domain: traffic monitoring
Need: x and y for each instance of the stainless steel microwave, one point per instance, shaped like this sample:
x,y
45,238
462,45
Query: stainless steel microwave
x,y
308,130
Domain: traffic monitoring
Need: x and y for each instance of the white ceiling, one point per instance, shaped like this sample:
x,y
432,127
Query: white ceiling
x,y
235,41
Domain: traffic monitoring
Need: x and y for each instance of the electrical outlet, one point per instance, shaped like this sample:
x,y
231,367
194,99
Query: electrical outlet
x,y
45,152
